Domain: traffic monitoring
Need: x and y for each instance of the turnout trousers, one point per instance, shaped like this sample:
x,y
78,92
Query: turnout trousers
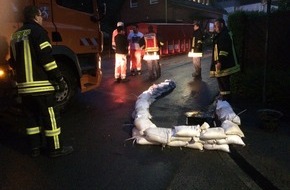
x,y
224,84
42,120
197,66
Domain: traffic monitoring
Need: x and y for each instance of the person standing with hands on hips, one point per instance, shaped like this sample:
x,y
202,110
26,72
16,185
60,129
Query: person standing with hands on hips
x,y
38,79
135,50
224,59
196,48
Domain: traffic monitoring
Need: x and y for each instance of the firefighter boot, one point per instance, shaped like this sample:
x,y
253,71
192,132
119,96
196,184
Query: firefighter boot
x,y
35,152
65,150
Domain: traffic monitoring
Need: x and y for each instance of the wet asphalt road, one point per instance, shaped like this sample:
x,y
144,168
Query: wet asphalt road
x,y
97,125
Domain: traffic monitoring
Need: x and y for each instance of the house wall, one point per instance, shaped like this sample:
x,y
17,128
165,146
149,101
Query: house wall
x,y
144,12
163,11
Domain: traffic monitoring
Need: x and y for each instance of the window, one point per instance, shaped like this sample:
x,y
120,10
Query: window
x,y
80,5
133,3
153,2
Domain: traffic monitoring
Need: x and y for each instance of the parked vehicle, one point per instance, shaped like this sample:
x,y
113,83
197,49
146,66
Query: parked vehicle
x,y
76,37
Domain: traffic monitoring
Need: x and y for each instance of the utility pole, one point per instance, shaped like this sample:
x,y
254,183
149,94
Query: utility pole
x,y
266,49
166,6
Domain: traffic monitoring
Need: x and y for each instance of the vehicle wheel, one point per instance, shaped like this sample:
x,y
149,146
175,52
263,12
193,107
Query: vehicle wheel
x,y
65,98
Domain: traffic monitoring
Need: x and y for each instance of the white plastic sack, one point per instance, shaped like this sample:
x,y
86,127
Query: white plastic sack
x,y
143,123
195,145
232,128
144,113
143,141
213,133
224,112
177,138
204,126
187,130
234,139
146,95
161,135
136,132
142,104
223,147
177,143
214,141
140,139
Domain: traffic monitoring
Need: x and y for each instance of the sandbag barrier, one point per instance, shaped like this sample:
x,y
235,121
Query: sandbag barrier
x,y
199,137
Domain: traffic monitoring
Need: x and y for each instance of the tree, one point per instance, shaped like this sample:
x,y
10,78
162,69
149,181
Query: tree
x,y
284,5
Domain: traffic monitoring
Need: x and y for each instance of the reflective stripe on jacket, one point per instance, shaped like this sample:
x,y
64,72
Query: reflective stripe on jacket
x,y
224,52
36,69
197,38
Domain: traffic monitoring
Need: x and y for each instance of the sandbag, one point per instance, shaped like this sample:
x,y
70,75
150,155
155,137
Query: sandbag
x,y
142,124
195,145
161,135
232,128
177,143
177,138
142,104
136,132
143,141
234,139
144,113
213,133
223,147
204,126
187,130
224,112
146,95
213,141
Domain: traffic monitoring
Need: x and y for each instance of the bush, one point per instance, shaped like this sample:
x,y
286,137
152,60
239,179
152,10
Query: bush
x,y
250,85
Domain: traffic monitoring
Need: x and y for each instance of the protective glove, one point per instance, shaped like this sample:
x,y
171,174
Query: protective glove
x,y
60,85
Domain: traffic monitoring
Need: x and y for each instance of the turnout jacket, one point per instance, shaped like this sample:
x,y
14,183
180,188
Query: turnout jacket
x,y
31,58
197,41
224,52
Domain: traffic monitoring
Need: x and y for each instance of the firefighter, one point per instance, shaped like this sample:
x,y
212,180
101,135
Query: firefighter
x,y
196,48
38,78
224,60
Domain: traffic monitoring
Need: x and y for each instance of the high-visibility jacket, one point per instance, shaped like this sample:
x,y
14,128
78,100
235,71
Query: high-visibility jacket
x,y
31,58
224,52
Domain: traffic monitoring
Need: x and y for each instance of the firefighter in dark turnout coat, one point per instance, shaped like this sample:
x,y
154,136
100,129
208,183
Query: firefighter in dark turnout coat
x,y
196,47
224,60
38,78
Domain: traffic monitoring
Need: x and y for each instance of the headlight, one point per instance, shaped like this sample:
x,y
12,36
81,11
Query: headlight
x,y
5,72
2,73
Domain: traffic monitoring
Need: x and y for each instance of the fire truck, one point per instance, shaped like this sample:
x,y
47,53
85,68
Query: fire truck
x,y
77,41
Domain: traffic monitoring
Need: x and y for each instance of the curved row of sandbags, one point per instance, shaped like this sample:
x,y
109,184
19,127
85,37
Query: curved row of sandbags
x,y
145,132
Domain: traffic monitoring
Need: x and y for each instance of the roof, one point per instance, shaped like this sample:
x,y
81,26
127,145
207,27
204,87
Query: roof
x,y
198,6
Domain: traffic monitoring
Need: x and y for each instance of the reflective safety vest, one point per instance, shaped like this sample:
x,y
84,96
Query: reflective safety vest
x,y
151,47
151,42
